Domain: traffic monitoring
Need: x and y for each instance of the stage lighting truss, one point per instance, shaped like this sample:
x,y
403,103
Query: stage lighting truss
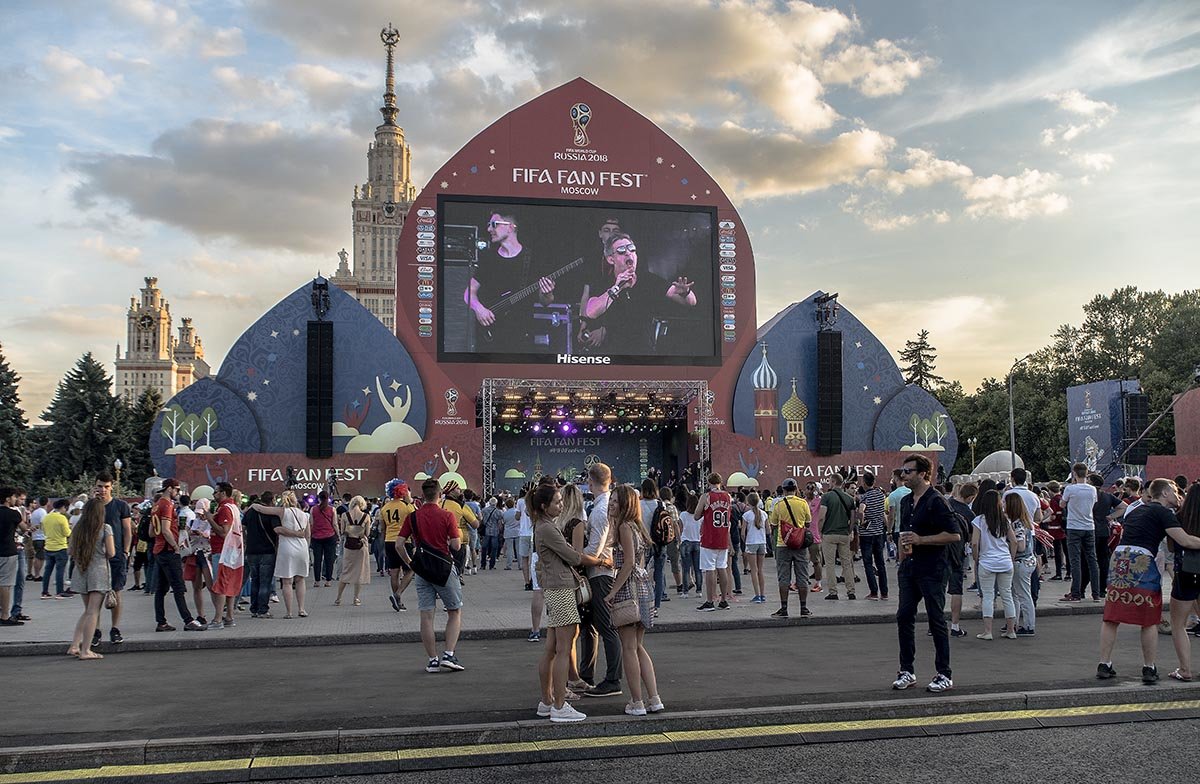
x,y
554,407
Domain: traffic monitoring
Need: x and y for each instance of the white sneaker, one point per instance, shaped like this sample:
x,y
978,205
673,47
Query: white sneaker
x,y
543,709
566,713
636,709
939,684
655,704
904,680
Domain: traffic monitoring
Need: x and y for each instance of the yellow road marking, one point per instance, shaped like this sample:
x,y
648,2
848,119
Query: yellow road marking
x,y
110,772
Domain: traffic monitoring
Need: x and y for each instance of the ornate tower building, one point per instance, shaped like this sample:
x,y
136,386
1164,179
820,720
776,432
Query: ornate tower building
x,y
380,206
794,413
766,400
153,357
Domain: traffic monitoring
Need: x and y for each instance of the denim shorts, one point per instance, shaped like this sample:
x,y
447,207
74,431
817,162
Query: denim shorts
x,y
428,593
524,546
755,549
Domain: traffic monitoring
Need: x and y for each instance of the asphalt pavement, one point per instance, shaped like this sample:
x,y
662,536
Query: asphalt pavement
x,y
197,693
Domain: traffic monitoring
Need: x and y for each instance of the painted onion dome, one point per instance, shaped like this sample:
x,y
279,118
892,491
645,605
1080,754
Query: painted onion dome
x,y
794,409
764,377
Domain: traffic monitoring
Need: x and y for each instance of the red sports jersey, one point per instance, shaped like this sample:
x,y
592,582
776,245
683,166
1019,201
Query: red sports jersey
x,y
718,512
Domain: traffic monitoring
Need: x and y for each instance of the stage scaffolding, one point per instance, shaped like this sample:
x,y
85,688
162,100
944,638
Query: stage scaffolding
x,y
496,391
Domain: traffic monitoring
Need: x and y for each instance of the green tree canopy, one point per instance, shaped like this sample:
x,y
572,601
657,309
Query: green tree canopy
x,y
920,360
87,425
14,429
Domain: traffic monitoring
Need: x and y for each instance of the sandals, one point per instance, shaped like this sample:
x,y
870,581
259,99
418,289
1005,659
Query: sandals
x,y
303,614
337,602
1177,675
358,602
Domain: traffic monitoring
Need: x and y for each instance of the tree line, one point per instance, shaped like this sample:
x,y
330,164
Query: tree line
x,y
1147,335
88,429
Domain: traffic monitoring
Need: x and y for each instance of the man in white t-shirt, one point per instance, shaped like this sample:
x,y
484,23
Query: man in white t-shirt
x,y
37,558
1078,498
1019,487
524,540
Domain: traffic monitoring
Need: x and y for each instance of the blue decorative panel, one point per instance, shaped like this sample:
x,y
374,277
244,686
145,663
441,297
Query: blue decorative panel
x,y
207,417
914,420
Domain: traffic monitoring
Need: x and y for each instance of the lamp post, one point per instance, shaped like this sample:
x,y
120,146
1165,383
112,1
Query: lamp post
x,y
971,442
1012,421
117,464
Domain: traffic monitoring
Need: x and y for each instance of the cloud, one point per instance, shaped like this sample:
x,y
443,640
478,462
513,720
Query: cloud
x,y
223,298
761,164
1026,195
925,169
7,133
328,90
129,255
876,216
77,79
223,42
251,90
1094,114
883,68
1094,161
257,183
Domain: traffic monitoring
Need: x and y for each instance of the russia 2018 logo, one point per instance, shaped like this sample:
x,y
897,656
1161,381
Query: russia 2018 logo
x,y
581,115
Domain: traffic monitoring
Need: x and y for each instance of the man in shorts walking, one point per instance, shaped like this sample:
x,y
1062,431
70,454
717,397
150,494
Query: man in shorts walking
x,y
436,530
791,565
393,514
715,508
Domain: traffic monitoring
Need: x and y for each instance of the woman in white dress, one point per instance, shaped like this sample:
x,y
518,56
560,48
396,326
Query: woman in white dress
x,y
292,560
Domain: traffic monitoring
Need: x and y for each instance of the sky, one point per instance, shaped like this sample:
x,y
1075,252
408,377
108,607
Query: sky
x,y
980,170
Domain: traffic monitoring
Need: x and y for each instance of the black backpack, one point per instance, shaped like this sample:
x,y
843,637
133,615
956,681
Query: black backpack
x,y
661,530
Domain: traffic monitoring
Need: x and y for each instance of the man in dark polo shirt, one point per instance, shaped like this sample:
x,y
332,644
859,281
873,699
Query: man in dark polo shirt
x,y
118,515
927,526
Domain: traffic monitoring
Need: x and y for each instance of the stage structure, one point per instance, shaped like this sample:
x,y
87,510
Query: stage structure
x,y
571,266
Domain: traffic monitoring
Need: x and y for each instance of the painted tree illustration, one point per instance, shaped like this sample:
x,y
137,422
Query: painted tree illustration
x,y
940,430
915,422
173,418
191,429
208,418
927,430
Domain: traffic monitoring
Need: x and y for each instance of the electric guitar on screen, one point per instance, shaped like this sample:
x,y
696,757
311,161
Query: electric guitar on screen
x,y
509,299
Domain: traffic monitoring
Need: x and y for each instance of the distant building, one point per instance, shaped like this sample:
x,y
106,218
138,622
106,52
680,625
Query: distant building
x,y
379,208
153,356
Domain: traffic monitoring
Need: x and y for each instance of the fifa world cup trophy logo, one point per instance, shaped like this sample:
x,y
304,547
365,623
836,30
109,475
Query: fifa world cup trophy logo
x,y
452,402
581,115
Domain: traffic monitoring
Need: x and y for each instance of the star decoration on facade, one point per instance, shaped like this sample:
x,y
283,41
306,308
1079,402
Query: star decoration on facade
x,y
366,391
220,462
866,388
492,167
274,333
707,192
266,382
878,400
693,197
453,174
658,159
252,396
395,385
445,184
672,166
295,333
493,152
356,404
858,344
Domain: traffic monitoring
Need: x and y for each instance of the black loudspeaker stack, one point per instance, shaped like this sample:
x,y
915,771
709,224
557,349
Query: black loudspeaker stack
x,y
1136,416
829,392
318,442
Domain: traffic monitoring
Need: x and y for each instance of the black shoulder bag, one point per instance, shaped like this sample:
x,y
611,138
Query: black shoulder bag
x,y
429,564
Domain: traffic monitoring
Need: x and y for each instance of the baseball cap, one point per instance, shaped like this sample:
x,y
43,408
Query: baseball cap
x,y
789,484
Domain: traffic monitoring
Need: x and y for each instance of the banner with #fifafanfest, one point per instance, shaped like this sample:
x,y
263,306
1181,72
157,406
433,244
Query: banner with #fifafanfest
x,y
1095,425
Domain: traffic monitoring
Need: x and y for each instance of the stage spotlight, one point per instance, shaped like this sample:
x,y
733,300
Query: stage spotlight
x,y
537,427
565,427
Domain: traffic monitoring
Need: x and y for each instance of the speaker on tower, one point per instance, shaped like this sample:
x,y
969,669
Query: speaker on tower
x,y
829,392
1135,411
318,441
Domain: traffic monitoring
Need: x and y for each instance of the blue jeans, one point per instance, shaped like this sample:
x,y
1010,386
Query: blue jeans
x,y
56,564
659,557
1082,545
18,591
490,551
873,563
689,552
261,569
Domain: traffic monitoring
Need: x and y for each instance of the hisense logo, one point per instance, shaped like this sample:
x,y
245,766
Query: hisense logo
x,y
573,359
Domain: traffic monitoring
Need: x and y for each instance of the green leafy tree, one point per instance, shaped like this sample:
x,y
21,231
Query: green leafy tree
x,y
14,429
87,425
920,360
141,416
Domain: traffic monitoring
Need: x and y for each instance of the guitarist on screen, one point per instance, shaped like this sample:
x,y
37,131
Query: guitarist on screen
x,y
505,266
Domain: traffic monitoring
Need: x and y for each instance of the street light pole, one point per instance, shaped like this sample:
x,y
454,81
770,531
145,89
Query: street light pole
x,y
972,441
1012,420
117,464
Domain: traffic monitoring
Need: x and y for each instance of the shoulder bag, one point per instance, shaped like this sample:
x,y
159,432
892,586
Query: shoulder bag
x,y
795,537
429,564
1190,561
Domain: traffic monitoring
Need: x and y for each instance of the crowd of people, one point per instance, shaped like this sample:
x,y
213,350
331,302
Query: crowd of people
x,y
595,556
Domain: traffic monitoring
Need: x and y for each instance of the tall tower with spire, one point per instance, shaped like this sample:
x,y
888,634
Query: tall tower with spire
x,y
381,204
766,400
153,357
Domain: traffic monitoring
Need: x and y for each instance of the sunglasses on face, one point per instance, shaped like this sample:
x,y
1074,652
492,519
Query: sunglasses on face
x,y
907,471
493,224
625,250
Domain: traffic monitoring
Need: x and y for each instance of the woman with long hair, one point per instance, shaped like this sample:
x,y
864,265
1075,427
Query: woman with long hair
x,y
754,534
291,561
556,575
1025,563
993,544
356,558
91,546
324,539
689,541
633,583
1185,588
573,522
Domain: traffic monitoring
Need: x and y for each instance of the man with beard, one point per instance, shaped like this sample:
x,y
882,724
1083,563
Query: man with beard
x,y
505,267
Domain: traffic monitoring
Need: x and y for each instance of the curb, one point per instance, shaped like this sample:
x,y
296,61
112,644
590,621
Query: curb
x,y
234,758
204,642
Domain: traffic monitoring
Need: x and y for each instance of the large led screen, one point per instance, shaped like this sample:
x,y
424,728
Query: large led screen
x,y
563,283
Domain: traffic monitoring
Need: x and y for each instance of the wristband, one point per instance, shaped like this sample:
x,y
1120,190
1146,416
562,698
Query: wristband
x,y
614,292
